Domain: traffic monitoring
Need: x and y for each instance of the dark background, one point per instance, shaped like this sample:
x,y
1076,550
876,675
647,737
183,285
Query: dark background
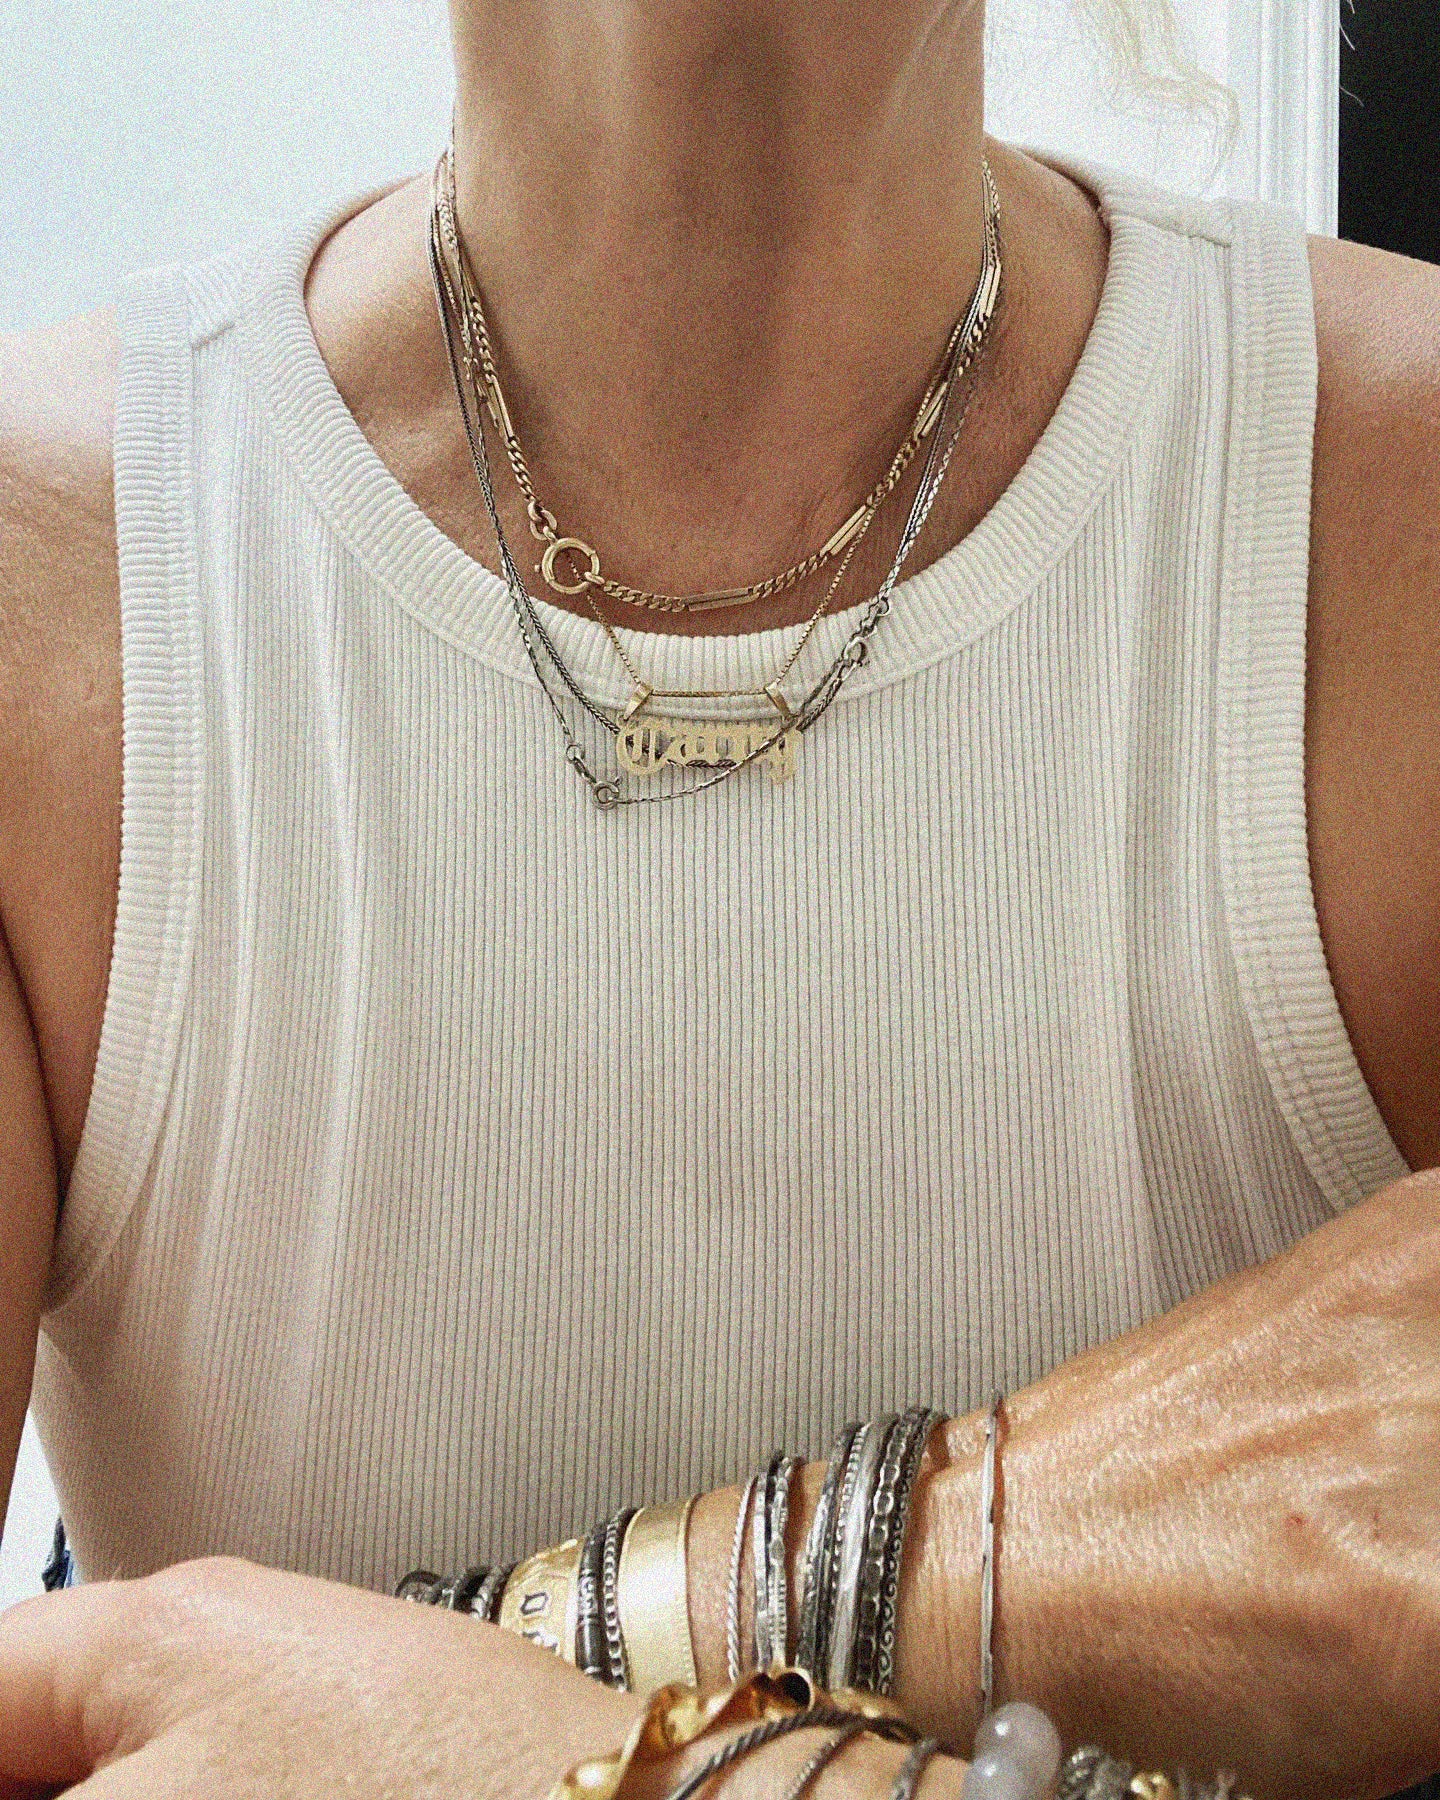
x,y
1390,164
1390,125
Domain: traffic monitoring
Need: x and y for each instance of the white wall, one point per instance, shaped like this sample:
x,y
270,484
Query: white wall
x,y
140,131
137,131
1281,58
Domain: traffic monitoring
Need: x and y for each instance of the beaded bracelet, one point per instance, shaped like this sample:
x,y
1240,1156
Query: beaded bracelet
x,y
617,1660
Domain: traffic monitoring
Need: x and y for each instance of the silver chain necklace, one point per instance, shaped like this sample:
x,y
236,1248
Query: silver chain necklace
x,y
607,793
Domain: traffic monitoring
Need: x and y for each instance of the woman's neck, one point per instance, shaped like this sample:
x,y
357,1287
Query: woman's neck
x,y
721,243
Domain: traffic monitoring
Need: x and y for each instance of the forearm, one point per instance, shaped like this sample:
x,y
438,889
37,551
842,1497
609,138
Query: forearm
x,y
1216,1546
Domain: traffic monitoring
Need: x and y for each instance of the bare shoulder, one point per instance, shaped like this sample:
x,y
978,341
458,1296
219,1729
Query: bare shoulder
x,y
60,685
58,576
1373,700
1378,328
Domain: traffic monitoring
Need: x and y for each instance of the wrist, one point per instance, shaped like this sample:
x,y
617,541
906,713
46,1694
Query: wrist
x,y
937,1662
712,1537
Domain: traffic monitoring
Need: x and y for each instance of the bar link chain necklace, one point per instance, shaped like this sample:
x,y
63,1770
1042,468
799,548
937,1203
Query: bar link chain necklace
x,y
645,746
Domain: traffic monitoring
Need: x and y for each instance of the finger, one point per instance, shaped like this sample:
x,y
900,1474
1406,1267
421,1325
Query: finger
x,y
58,1656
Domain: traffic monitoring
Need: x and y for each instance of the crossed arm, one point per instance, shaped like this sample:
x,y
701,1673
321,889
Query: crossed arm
x,y
1219,1535
1220,1546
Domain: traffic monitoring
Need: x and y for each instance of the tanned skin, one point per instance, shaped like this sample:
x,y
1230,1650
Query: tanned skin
x,y
1337,1338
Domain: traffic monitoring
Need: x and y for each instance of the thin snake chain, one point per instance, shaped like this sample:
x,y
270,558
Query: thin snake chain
x,y
480,355
544,526
607,794
965,346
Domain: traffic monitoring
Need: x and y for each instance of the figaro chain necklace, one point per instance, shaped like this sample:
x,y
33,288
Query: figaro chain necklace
x,y
582,555
646,746
479,366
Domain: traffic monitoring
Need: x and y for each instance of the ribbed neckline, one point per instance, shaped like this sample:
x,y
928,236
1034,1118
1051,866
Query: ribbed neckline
x,y
937,610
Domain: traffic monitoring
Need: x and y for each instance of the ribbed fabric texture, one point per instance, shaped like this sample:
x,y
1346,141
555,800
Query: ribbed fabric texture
x,y
463,1162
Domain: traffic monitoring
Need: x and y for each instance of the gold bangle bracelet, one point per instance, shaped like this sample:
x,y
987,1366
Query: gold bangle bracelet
x,y
539,1599
654,1598
676,1716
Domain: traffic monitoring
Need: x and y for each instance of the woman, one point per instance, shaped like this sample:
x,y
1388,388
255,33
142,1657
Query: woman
x,y
460,1159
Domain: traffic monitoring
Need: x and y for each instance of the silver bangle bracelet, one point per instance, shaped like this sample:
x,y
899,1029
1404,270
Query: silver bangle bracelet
x,y
873,1558
737,1566
923,1423
777,1594
987,1562
760,1551
768,1528
814,1604
854,1529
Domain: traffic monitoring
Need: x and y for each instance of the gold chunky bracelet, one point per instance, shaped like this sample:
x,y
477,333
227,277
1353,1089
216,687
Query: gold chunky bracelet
x,y
676,1716
538,1602
654,1598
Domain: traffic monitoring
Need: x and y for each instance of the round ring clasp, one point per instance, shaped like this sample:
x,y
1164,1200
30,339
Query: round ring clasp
x,y
576,547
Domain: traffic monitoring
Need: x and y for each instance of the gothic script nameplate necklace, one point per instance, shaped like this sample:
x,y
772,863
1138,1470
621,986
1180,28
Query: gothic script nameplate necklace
x,y
658,743
645,746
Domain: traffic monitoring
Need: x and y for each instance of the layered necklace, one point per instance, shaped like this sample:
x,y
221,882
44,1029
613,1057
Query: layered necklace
x,y
645,745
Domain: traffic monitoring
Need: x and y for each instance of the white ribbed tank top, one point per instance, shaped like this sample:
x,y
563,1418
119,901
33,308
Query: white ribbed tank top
x,y
462,1162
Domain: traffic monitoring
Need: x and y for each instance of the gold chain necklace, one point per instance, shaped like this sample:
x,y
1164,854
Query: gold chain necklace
x,y
473,335
647,746
544,527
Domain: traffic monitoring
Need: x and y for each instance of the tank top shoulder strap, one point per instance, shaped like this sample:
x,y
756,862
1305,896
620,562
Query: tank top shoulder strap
x,y
1299,1031
163,762
1287,994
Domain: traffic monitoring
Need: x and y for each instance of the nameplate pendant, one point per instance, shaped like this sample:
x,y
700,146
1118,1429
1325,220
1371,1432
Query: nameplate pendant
x,y
646,746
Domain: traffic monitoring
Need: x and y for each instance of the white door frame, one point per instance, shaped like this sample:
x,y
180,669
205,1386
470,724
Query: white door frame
x,y
1285,65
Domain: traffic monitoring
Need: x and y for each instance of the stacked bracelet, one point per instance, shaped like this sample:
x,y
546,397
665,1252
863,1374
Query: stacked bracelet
x,y
616,1604
850,1582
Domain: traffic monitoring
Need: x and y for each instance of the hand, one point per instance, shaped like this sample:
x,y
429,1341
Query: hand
x,y
223,1679
1219,1540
